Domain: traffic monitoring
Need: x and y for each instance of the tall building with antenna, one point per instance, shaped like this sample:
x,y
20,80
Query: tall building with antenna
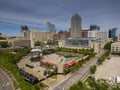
x,y
24,28
76,29
51,27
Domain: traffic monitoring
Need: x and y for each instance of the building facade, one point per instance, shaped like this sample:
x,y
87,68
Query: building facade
x,y
62,35
51,27
94,27
112,33
115,47
19,42
34,35
98,34
24,28
102,35
40,36
92,34
85,33
26,34
118,38
76,29
77,42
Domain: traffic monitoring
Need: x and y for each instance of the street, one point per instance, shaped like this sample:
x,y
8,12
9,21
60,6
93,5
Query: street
x,y
5,82
78,75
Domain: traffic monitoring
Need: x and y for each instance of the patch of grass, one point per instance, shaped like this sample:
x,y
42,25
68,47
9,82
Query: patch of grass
x,y
63,53
8,61
54,77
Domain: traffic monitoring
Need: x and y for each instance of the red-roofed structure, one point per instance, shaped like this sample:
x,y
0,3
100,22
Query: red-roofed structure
x,y
67,65
48,63
43,63
52,64
73,62
70,64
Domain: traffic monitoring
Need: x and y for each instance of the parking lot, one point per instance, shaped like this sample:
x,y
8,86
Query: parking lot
x,y
109,69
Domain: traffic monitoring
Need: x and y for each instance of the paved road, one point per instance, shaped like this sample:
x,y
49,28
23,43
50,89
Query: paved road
x,y
79,75
5,82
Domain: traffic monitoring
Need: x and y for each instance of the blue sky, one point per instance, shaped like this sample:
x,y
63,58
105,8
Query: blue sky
x,y
36,13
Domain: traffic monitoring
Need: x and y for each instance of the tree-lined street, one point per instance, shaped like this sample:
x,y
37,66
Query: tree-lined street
x,y
78,75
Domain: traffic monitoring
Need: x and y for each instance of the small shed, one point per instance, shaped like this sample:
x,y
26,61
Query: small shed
x,y
118,80
35,52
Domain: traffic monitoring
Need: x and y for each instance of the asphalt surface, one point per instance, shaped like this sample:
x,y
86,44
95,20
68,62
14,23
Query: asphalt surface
x,y
77,76
5,82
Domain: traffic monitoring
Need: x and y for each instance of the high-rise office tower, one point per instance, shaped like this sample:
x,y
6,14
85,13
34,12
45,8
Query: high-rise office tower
x,y
51,27
94,27
24,28
76,30
25,32
112,33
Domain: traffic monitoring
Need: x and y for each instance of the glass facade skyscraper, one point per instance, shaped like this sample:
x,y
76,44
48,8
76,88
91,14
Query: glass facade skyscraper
x,y
51,27
94,27
24,28
112,33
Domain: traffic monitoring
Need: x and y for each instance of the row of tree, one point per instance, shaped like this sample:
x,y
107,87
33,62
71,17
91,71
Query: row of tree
x,y
79,64
92,84
103,57
108,46
2,38
4,44
49,42
82,50
93,69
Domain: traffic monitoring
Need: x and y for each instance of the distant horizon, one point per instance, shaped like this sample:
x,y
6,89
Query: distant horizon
x,y
19,34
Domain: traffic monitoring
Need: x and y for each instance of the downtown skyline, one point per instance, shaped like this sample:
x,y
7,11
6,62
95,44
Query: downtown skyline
x,y
37,13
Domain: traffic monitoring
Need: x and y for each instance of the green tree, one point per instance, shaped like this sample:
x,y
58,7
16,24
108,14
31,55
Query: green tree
x,y
38,43
93,69
4,44
80,84
108,46
92,84
2,38
100,84
75,87
51,42
99,61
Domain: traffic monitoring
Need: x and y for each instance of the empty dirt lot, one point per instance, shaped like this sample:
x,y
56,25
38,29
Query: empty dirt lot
x,y
109,68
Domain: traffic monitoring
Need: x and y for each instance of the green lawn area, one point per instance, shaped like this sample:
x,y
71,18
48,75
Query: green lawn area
x,y
54,77
63,53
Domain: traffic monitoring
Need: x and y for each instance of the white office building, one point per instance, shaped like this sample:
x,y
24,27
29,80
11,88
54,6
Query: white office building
x,y
115,47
